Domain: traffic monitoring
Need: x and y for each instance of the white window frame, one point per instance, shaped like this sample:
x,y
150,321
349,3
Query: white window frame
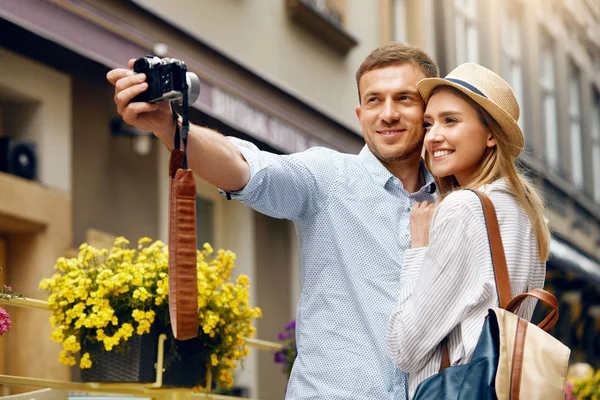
x,y
467,32
575,124
596,144
399,31
512,55
547,81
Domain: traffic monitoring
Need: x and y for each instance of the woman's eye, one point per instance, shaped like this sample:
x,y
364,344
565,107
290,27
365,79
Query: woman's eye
x,y
427,125
450,120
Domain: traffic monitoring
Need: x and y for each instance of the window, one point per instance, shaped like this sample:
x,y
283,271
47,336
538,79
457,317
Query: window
x,y
399,21
467,39
324,19
512,58
331,10
596,145
548,100
575,128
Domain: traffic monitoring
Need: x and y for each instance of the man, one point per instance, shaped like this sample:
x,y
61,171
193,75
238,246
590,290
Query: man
x,y
351,213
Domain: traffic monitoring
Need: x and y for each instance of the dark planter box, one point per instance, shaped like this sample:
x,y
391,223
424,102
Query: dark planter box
x,y
134,362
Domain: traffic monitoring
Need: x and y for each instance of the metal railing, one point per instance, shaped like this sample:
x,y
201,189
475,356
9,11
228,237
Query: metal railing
x,y
154,390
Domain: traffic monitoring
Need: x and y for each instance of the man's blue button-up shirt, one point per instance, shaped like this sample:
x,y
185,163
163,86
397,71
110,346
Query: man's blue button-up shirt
x,y
352,219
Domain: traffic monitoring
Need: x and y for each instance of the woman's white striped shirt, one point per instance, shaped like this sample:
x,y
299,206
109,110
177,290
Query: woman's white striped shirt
x,y
448,287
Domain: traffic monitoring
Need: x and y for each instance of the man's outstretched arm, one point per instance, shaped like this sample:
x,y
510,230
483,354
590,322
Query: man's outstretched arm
x,y
210,155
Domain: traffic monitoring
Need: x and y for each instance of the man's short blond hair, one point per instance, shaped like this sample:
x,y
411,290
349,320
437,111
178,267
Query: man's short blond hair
x,y
397,53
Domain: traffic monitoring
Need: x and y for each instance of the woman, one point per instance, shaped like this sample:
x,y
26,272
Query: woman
x,y
447,281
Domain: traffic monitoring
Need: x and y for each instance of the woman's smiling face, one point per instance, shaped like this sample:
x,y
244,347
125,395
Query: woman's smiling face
x,y
456,135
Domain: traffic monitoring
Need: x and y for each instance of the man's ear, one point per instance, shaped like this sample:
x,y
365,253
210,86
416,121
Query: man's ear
x,y
358,110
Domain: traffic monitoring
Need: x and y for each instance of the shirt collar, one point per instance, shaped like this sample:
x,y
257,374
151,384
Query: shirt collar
x,y
381,175
499,184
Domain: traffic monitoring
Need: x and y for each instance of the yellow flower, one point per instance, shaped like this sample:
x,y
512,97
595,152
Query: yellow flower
x,y
66,359
243,280
226,378
111,341
121,241
214,360
119,292
71,344
138,315
207,249
85,361
143,327
58,335
140,293
144,240
126,330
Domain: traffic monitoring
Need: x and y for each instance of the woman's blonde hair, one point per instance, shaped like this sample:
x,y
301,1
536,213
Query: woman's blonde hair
x,y
497,163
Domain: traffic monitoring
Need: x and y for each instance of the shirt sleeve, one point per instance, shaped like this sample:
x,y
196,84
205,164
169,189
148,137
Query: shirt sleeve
x,y
283,186
438,284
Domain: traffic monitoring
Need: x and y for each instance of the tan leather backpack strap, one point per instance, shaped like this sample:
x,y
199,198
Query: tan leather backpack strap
x,y
542,296
445,356
516,370
497,249
498,261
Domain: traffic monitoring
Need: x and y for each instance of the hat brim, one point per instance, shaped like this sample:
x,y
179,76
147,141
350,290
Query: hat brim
x,y
506,122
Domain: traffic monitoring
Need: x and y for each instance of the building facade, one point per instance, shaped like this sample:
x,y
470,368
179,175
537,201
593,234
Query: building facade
x,y
279,73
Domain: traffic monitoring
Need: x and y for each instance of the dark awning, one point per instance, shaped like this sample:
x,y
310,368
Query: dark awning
x,y
566,257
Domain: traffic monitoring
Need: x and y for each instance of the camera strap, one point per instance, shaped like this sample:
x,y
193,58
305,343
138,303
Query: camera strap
x,y
185,127
183,276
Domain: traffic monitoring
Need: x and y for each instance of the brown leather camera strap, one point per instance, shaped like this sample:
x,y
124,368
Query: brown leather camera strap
x,y
183,278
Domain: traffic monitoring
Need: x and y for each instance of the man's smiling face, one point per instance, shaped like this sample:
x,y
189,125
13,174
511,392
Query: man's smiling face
x,y
391,111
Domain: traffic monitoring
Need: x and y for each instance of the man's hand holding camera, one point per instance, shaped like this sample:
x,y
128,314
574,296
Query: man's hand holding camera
x,y
210,155
156,118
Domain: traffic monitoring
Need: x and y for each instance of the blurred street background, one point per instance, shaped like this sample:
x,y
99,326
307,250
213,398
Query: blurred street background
x,y
280,73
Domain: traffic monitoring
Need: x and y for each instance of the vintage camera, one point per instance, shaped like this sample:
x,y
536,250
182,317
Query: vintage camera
x,y
168,79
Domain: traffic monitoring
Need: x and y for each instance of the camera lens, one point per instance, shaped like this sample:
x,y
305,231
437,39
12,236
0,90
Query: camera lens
x,y
193,87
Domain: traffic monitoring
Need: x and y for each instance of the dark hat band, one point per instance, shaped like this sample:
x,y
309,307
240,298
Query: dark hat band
x,y
467,85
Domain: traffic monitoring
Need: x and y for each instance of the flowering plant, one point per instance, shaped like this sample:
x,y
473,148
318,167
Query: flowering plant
x,y
6,293
5,322
585,386
107,296
287,354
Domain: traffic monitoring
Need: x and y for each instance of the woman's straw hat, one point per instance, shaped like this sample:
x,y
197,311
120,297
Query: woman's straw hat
x,y
487,89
